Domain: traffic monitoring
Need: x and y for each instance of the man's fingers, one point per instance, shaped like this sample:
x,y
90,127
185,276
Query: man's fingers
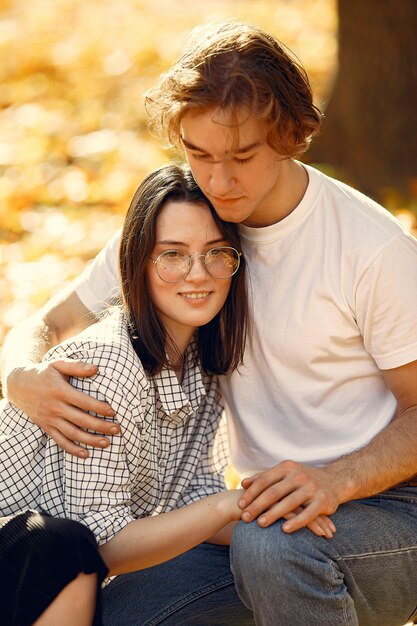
x,y
247,482
258,484
269,514
85,403
67,445
71,405
78,398
267,499
74,424
308,514
79,435
90,422
68,435
69,367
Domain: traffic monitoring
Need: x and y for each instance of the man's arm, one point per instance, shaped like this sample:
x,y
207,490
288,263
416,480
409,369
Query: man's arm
x,y
41,389
385,461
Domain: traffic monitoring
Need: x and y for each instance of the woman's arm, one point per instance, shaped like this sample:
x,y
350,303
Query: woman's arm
x,y
98,489
152,540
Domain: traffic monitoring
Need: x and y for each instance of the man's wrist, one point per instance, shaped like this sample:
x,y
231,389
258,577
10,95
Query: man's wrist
x,y
11,381
345,487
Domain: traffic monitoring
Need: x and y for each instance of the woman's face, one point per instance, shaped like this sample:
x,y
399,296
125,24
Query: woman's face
x,y
189,228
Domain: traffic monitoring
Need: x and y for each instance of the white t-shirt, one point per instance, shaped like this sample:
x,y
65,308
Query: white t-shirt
x,y
334,300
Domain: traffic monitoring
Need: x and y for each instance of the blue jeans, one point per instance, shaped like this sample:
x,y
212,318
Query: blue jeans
x,y
194,589
366,574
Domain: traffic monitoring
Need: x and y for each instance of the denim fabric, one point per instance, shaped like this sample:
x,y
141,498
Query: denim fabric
x,y
194,589
366,575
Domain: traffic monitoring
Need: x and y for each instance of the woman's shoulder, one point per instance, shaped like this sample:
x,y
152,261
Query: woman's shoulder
x,y
105,342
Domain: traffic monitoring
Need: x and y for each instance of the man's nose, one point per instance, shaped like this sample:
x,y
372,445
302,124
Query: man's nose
x,y
221,179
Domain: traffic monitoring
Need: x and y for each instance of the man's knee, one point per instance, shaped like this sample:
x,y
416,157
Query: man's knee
x,y
270,554
256,551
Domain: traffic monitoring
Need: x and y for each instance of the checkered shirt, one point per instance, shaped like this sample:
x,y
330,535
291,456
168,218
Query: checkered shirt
x,y
172,449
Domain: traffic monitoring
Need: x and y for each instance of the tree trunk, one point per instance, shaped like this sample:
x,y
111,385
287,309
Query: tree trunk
x,y
369,133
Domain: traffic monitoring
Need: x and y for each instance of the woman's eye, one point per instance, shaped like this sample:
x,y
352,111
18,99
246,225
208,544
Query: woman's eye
x,y
172,254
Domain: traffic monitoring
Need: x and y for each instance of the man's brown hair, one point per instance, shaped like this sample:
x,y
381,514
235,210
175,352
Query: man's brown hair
x,y
236,66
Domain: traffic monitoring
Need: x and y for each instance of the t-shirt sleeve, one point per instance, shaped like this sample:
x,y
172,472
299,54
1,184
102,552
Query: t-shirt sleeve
x,y
98,286
386,303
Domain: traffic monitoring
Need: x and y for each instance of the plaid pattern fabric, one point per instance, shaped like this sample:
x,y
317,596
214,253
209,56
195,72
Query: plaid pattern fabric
x,y
171,452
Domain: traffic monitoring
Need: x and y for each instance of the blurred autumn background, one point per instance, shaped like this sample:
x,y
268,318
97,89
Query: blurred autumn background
x,y
74,143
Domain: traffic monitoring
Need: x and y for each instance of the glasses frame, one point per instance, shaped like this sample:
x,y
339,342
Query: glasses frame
x,y
190,258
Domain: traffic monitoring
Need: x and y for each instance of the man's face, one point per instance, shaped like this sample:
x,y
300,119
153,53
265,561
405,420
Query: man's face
x,y
234,166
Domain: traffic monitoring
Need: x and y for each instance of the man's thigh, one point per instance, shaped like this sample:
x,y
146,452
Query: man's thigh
x,y
375,547
372,560
195,589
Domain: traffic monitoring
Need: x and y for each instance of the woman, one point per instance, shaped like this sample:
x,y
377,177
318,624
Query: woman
x,y
179,267
182,321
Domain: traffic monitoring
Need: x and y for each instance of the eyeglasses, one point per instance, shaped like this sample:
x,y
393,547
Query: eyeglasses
x,y
173,266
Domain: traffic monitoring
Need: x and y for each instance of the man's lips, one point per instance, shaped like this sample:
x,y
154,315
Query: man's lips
x,y
225,200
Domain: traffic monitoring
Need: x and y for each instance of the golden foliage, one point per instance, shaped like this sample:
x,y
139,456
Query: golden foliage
x,y
74,142
73,137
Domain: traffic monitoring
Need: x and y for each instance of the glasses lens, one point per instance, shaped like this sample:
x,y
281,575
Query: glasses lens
x,y
222,262
172,266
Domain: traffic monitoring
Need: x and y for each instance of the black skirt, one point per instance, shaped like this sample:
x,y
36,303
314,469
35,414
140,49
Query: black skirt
x,y
39,556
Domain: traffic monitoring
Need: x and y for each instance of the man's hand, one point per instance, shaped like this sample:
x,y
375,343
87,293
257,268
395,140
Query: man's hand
x,y
43,393
287,490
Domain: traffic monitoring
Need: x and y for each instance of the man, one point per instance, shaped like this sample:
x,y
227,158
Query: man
x,y
322,415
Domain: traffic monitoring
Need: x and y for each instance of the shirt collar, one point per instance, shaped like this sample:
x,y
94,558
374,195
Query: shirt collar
x,y
174,396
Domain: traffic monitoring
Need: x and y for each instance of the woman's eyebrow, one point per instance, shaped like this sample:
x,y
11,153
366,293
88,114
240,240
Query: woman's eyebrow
x,y
171,242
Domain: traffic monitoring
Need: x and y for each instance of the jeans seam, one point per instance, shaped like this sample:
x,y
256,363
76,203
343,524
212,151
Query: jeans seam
x,y
330,589
189,599
368,555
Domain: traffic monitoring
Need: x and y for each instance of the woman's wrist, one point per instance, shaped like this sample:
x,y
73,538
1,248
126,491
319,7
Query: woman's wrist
x,y
227,507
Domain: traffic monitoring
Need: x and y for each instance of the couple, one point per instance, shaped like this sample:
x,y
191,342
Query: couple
x,y
322,414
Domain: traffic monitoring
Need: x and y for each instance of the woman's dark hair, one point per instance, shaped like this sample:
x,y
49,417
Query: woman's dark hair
x,y
221,341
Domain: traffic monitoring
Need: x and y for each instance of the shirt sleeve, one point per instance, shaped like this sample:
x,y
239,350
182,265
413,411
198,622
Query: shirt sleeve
x,y
99,285
97,491
209,477
386,303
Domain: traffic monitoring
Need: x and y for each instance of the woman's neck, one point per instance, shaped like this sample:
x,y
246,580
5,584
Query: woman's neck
x,y
176,346
176,360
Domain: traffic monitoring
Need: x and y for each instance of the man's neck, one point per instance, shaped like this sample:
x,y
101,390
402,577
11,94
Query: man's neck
x,y
296,186
290,190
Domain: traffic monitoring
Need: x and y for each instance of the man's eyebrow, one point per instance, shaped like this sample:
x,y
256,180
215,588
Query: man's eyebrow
x,y
241,150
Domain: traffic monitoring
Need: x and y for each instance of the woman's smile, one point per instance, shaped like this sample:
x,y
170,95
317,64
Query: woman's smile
x,y
195,295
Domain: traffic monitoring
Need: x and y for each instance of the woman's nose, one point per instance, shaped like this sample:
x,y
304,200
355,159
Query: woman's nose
x,y
198,270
